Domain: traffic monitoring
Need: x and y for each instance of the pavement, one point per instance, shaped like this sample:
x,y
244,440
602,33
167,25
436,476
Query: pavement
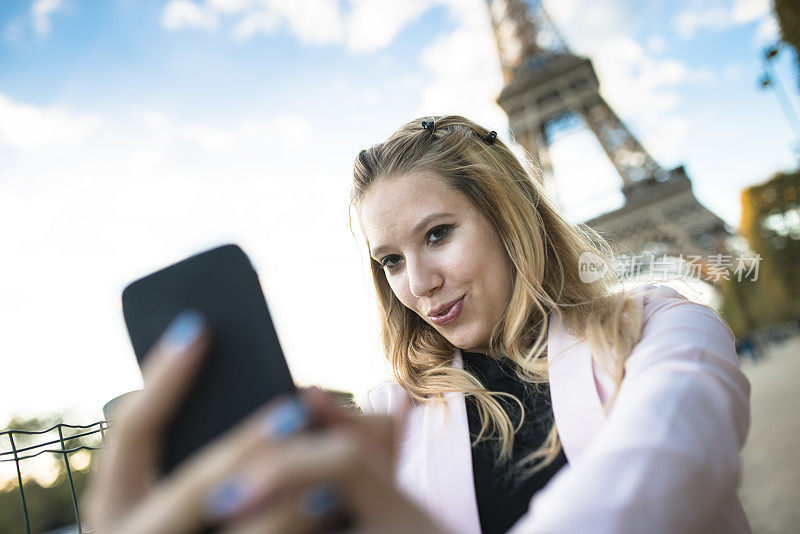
x,y
770,489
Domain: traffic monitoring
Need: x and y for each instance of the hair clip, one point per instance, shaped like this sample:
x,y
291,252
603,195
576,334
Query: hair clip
x,y
428,125
490,137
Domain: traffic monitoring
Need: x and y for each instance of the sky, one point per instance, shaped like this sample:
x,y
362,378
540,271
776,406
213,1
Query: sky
x,y
136,133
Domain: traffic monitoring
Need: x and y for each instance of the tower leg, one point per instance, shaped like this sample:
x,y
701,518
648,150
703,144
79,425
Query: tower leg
x,y
631,160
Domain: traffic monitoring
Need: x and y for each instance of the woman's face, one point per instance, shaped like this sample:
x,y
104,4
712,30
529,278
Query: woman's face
x,y
443,259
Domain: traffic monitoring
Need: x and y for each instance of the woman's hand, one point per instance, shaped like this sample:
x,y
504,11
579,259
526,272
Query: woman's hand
x,y
344,471
123,497
260,477
122,487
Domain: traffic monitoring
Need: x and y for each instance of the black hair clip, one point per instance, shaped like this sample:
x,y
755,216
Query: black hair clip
x,y
490,137
428,125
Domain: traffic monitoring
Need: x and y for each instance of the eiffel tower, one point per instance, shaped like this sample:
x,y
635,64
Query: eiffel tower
x,y
549,89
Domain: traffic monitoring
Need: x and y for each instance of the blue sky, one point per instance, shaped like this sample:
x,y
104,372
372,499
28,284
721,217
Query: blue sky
x,y
134,133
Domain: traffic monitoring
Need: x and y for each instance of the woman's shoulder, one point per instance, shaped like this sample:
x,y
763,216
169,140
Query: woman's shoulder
x,y
652,294
673,321
383,398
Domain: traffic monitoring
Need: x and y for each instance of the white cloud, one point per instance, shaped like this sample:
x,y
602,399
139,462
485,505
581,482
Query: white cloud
x,y
209,137
767,31
463,68
41,10
639,82
411,82
316,22
745,11
656,44
584,21
734,72
181,14
373,24
371,96
721,15
367,26
464,73
27,127
699,16
284,131
625,69
261,21
231,6
636,83
89,219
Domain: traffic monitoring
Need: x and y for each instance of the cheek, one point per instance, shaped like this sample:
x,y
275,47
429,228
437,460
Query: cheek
x,y
497,270
399,286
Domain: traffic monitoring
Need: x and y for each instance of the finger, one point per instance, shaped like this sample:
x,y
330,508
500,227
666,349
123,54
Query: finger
x,y
281,520
317,510
200,491
377,433
325,409
169,369
333,459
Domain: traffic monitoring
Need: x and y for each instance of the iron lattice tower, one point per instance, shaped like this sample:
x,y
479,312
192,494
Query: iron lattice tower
x,y
547,89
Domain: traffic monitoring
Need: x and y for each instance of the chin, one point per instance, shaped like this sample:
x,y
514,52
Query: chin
x,y
468,342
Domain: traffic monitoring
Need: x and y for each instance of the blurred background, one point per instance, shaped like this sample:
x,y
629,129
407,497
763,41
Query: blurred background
x,y
133,134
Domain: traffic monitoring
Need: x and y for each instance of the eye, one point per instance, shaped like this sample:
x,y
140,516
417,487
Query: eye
x,y
438,233
390,262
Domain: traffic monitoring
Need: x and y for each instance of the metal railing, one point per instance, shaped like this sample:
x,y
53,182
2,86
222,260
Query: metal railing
x,y
63,446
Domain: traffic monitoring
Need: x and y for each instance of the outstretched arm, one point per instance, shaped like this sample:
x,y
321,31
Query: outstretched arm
x,y
667,457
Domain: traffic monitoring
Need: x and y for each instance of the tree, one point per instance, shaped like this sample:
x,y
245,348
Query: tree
x,y
788,14
49,500
771,225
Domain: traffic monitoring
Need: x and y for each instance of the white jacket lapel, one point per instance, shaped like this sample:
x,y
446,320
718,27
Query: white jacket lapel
x,y
441,477
577,408
448,455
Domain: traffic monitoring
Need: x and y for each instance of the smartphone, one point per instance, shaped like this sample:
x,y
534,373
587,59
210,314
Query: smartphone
x,y
244,367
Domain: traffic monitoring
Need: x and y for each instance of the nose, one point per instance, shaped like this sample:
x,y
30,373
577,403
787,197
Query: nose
x,y
423,277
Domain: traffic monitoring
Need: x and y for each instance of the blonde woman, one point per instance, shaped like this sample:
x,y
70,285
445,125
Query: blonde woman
x,y
530,400
472,261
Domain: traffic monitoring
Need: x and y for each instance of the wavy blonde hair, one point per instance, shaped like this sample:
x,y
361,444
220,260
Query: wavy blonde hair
x,y
544,251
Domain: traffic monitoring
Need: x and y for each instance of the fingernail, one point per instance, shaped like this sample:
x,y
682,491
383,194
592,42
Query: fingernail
x,y
286,419
183,330
319,502
227,498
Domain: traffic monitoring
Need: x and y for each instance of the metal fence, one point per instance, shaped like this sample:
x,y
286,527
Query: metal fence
x,y
71,439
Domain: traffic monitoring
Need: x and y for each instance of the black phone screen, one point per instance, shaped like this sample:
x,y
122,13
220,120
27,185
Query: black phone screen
x,y
245,366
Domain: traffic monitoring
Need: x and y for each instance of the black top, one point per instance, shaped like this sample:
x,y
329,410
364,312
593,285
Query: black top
x,y
503,496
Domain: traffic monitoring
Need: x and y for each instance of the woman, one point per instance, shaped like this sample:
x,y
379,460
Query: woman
x,y
494,271
484,316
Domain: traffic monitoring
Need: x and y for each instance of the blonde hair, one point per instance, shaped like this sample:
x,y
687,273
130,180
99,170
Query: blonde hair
x,y
544,251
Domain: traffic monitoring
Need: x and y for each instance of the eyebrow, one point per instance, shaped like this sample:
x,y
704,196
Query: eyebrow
x,y
377,251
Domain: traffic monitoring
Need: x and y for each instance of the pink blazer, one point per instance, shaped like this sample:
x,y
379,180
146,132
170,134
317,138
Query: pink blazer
x,y
664,460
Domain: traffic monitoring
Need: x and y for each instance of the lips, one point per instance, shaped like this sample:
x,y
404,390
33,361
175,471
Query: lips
x,y
447,312
441,310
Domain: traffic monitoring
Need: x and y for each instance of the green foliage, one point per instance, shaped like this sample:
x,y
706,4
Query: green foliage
x,y
49,506
788,14
771,225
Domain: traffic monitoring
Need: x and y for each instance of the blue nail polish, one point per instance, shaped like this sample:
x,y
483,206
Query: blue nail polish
x,y
286,419
320,501
183,330
226,499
